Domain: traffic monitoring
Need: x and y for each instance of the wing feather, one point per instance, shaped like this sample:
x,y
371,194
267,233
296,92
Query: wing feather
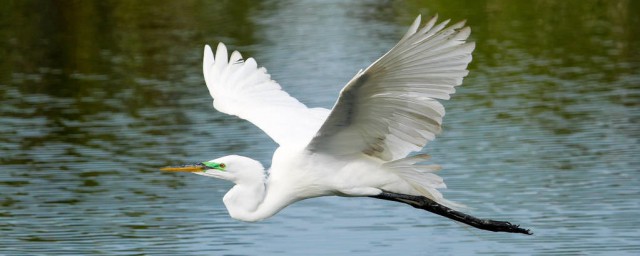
x,y
391,108
241,88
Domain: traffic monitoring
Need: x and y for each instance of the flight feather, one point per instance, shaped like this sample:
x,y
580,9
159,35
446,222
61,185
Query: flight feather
x,y
391,108
239,87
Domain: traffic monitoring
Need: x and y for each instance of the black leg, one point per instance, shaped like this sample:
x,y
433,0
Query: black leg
x,y
427,204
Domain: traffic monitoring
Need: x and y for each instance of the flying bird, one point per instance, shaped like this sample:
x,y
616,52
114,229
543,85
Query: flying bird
x,y
359,148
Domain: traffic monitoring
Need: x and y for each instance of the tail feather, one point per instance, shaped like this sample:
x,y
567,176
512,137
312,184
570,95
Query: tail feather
x,y
422,178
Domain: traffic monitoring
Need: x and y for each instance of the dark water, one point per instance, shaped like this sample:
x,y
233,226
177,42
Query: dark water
x,y
96,95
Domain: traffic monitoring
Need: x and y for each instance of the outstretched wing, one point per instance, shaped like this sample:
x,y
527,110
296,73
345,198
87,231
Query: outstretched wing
x,y
390,108
240,88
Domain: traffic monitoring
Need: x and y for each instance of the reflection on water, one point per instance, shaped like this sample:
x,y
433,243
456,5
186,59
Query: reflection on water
x,y
97,95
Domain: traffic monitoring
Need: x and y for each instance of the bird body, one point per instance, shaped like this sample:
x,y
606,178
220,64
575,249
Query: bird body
x,y
358,148
299,174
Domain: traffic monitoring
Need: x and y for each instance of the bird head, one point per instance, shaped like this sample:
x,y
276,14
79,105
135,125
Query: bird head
x,y
232,168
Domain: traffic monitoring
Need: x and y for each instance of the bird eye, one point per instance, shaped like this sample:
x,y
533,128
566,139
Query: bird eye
x,y
223,165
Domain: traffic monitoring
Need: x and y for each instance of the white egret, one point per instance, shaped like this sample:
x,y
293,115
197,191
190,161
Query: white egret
x,y
359,148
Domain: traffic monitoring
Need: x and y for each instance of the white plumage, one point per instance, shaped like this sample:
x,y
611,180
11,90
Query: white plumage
x,y
360,147
240,88
389,109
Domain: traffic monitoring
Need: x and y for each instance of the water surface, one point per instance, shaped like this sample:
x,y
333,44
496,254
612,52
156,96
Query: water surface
x,y
97,95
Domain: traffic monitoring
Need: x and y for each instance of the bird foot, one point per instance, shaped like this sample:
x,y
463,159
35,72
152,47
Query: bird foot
x,y
427,204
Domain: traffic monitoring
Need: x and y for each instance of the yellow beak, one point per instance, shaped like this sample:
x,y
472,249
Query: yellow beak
x,y
185,168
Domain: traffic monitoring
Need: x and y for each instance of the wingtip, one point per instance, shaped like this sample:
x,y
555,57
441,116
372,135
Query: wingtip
x,y
208,54
413,28
472,45
435,17
221,53
221,47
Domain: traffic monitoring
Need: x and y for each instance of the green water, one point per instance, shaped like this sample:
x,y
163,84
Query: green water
x,y
96,95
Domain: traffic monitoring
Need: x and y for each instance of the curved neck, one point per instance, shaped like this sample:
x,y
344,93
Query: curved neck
x,y
254,201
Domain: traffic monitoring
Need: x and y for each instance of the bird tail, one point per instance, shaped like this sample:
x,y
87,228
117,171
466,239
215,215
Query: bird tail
x,y
422,178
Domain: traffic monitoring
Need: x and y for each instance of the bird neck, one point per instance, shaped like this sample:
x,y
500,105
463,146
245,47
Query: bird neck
x,y
253,201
